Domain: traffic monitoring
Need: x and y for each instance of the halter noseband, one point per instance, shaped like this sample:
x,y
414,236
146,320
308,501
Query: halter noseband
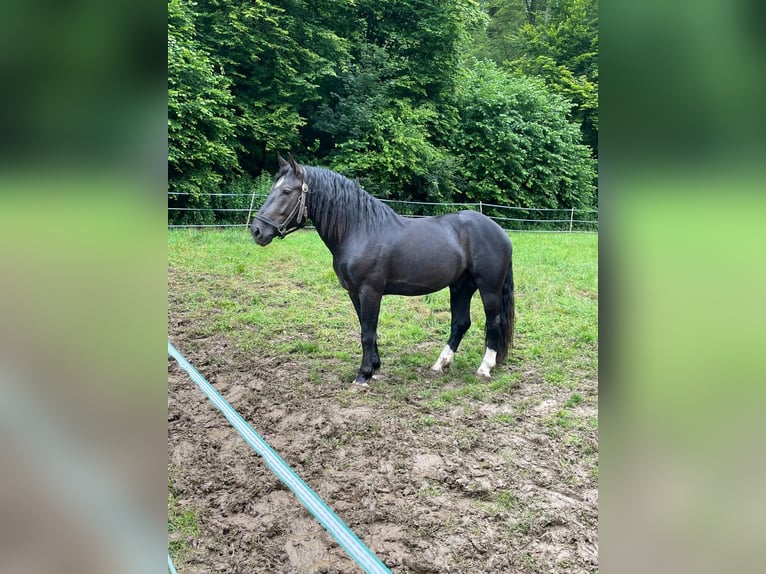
x,y
300,211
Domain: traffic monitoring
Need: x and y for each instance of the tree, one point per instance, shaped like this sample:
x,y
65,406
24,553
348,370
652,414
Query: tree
x,y
277,55
200,121
395,157
385,142
515,145
392,116
563,50
556,40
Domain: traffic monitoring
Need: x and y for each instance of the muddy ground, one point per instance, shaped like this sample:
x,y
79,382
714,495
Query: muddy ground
x,y
478,487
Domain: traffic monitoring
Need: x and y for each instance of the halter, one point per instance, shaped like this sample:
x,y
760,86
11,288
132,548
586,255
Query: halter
x,y
300,211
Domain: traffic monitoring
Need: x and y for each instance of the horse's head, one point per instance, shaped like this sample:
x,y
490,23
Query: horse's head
x,y
285,209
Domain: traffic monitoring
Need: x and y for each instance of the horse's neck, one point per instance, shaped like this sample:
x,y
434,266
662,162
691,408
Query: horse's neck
x,y
319,204
330,210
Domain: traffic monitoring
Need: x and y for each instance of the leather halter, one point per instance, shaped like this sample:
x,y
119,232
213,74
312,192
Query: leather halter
x,y
300,212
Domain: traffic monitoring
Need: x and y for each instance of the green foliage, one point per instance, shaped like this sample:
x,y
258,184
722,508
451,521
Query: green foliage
x,y
563,50
390,121
394,157
276,56
490,37
556,41
383,92
423,40
515,145
200,123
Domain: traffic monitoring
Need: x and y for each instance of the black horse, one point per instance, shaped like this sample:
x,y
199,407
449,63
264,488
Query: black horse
x,y
377,252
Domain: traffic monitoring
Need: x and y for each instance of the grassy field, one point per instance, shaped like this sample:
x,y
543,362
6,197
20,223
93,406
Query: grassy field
x,y
236,306
285,300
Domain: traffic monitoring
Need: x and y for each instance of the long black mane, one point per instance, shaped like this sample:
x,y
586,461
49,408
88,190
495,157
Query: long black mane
x,y
338,205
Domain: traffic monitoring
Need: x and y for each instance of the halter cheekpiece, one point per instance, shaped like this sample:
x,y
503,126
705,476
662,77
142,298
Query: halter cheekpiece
x,y
300,212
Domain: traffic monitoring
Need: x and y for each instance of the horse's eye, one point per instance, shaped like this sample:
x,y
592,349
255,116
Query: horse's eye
x,y
286,190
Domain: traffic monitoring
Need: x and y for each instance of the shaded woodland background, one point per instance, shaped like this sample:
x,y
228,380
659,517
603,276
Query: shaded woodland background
x,y
493,101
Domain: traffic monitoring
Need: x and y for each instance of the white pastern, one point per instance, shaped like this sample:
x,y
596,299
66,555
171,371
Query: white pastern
x,y
487,363
444,360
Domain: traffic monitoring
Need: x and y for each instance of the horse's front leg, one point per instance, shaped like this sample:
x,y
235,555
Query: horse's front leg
x,y
375,354
367,305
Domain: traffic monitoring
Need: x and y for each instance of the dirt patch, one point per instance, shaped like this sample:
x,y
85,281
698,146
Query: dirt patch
x,y
480,487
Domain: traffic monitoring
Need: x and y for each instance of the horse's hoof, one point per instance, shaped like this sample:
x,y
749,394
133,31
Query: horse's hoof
x,y
362,381
444,360
487,363
357,386
484,373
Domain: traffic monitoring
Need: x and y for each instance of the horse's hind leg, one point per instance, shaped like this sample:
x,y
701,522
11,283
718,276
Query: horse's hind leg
x,y
492,313
492,305
460,307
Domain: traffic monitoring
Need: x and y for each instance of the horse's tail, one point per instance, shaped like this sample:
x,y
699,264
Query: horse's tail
x,y
507,316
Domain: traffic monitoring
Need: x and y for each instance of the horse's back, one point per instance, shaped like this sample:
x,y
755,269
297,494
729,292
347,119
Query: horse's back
x,y
467,233
427,254
458,242
479,232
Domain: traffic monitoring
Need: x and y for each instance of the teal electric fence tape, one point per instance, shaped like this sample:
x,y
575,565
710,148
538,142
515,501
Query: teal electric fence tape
x,y
349,541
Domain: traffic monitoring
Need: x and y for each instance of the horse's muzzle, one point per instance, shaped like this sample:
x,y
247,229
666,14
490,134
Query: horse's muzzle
x,y
262,234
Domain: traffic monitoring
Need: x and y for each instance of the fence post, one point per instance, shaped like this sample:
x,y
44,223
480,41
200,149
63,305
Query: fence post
x,y
571,220
249,211
480,209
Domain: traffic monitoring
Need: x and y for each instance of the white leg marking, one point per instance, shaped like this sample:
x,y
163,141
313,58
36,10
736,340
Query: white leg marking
x,y
444,360
487,363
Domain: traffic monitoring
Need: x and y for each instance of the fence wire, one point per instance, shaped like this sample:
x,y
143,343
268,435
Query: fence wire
x,y
236,209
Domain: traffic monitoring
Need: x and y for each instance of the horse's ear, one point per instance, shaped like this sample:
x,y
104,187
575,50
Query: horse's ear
x,y
295,165
282,161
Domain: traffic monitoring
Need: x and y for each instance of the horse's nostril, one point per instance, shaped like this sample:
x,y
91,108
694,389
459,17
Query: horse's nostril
x,y
256,232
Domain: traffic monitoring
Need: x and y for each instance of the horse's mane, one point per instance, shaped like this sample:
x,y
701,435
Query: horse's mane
x,y
337,205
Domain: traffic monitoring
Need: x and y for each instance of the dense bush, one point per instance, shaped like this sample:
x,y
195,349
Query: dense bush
x,y
515,145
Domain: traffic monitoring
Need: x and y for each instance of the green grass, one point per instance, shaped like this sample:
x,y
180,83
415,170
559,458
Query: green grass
x,y
184,524
284,300
498,503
